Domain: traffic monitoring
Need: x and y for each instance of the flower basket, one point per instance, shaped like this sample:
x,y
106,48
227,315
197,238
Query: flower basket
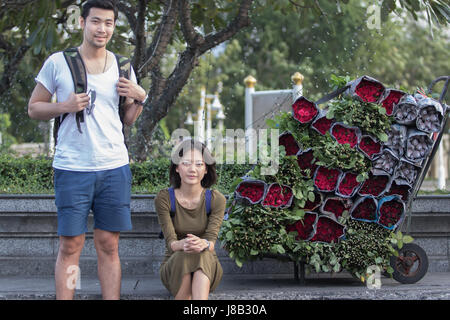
x,y
306,160
365,209
369,146
305,228
386,161
304,111
406,172
347,185
321,124
397,139
376,185
391,211
325,179
278,196
390,98
366,89
335,206
418,145
345,134
430,115
328,230
402,190
250,191
313,205
405,111
287,140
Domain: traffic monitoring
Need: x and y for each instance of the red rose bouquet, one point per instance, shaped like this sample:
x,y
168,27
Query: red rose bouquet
x,y
369,146
312,205
251,190
335,206
322,124
328,230
390,98
304,227
390,211
305,160
365,209
278,196
375,185
347,185
401,190
369,90
288,141
325,179
344,134
304,110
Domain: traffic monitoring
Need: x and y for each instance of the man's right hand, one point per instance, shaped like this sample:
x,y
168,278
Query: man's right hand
x,y
76,102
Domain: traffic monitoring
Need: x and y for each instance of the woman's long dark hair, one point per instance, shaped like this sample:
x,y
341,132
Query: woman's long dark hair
x,y
182,148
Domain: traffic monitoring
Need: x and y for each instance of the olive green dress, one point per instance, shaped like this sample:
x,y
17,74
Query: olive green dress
x,y
195,221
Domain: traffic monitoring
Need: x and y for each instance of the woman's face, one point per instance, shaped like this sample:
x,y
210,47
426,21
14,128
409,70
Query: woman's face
x,y
192,168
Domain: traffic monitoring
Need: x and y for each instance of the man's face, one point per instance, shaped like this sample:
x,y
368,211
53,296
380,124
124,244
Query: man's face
x,y
98,27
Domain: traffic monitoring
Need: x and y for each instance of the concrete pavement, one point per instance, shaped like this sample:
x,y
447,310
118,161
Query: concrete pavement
x,y
434,286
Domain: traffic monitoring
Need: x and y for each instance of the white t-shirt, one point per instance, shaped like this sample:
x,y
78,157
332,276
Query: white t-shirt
x,y
101,145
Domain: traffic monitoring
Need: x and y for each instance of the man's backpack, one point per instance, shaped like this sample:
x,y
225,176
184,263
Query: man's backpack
x,y
173,207
79,77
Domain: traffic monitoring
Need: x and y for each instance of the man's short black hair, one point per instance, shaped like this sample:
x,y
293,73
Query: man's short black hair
x,y
102,4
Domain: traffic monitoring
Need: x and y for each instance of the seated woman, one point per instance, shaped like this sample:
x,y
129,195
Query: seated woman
x,y
190,269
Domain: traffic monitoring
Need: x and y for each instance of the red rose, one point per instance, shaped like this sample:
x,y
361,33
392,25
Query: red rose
x,y
326,179
369,146
393,98
369,91
344,135
348,184
322,125
402,190
287,140
276,196
304,110
304,227
390,213
251,190
374,185
328,230
305,161
311,205
366,209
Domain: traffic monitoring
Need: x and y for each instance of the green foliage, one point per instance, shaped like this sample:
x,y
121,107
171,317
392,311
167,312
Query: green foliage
x,y
366,244
35,175
252,231
369,117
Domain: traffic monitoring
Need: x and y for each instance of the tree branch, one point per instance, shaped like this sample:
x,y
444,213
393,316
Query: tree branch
x,y
192,37
240,21
161,38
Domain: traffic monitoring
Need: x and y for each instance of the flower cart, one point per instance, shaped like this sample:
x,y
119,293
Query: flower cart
x,y
350,166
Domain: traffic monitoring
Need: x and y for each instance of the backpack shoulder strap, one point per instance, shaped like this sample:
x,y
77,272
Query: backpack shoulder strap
x,y
124,65
172,202
208,201
79,77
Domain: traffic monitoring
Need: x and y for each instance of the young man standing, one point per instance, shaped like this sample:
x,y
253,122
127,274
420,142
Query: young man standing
x,y
91,159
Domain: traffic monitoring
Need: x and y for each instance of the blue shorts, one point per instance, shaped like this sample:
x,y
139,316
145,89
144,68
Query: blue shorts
x,y
107,193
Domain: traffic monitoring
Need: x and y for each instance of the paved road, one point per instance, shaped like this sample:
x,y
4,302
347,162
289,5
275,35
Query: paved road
x,y
434,286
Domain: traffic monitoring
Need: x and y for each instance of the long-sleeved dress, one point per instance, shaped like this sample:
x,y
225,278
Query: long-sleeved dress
x,y
195,221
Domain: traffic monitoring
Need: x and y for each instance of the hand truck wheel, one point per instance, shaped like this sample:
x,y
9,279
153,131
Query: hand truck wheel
x,y
411,265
